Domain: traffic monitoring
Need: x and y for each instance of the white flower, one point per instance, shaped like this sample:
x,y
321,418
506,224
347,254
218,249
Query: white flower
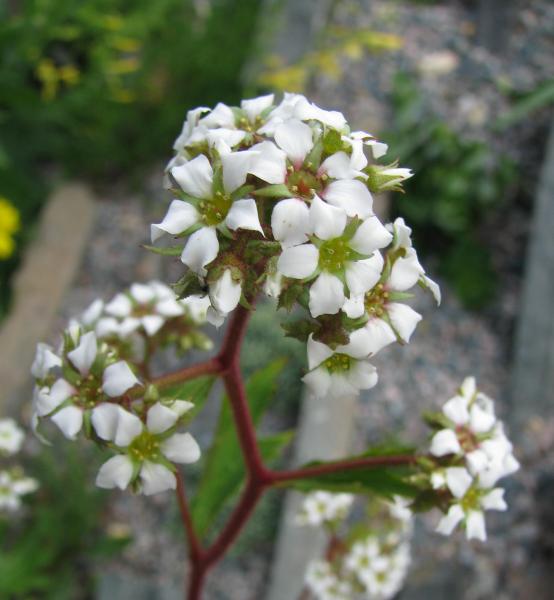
x,y
337,373
456,479
146,448
12,486
225,293
212,209
324,583
45,360
11,437
470,510
324,507
336,256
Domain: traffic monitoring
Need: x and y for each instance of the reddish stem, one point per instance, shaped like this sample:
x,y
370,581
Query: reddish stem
x,y
195,548
208,367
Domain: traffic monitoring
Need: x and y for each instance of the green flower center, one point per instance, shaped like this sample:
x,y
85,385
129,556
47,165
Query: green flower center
x,y
303,183
145,447
471,500
334,254
375,301
338,363
214,210
90,392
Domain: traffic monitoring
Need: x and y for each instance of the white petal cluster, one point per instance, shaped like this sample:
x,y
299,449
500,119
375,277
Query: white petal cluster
x,y
324,583
477,454
319,508
11,437
147,450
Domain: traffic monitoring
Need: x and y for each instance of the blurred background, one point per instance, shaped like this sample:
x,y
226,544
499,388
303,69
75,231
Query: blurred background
x,y
95,92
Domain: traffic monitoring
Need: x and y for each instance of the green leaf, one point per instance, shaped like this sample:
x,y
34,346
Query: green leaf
x,y
170,251
195,391
224,469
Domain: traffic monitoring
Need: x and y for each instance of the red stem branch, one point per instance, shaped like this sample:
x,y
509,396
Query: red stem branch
x,y
195,548
208,367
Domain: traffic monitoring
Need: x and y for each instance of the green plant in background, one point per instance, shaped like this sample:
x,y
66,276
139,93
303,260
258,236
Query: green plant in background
x,y
458,183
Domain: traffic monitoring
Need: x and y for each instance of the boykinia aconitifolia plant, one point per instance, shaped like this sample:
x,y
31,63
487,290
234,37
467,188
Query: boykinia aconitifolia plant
x,y
272,200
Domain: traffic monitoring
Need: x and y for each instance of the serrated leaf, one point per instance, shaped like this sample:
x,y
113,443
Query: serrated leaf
x,y
224,468
169,251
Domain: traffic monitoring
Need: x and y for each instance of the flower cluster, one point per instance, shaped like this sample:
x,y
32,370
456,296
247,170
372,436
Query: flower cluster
x,y
13,482
282,194
372,563
473,454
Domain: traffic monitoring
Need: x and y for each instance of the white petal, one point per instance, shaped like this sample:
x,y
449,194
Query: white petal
x,y
236,166
404,319
362,275
362,375
225,293
468,388
181,448
317,352
104,418
253,107
405,272
354,306
170,307
477,461
180,216
92,313
244,215
44,361
371,235
195,177
433,287
341,386
456,410
480,421
356,346
231,137
352,196
318,382
156,478
202,247
142,293
160,418
47,400
128,326
376,335
308,111
290,222
494,500
444,442
475,526
152,324
295,138
121,306
129,426
180,407
221,116
326,221
449,522
84,355
118,378
115,473
338,166
270,164
326,295
458,481
69,420
298,262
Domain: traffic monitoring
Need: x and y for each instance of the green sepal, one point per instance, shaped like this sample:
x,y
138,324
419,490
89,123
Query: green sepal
x,y
300,329
332,142
278,190
242,192
169,251
188,285
290,292
437,420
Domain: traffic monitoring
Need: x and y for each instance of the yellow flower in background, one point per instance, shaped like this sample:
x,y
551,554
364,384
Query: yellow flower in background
x,y
9,225
52,76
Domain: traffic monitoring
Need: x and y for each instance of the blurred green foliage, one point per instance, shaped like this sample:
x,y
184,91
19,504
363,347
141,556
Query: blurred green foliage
x,y
457,183
100,88
48,552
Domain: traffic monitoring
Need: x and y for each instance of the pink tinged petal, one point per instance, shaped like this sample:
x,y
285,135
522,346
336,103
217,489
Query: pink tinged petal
x,y
104,418
115,473
84,355
405,272
156,478
318,382
494,500
152,324
129,426
450,521
47,400
44,361
480,421
326,221
445,442
475,526
180,216
221,116
404,319
362,375
338,166
317,352
295,138
362,275
195,177
160,418
456,410
376,335
202,247
326,295
433,287
118,378
290,222
476,461
69,420
181,448
298,262
244,215
170,307
352,196
121,306
371,235
225,293
236,166
270,165
253,107
354,306
142,293
458,481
